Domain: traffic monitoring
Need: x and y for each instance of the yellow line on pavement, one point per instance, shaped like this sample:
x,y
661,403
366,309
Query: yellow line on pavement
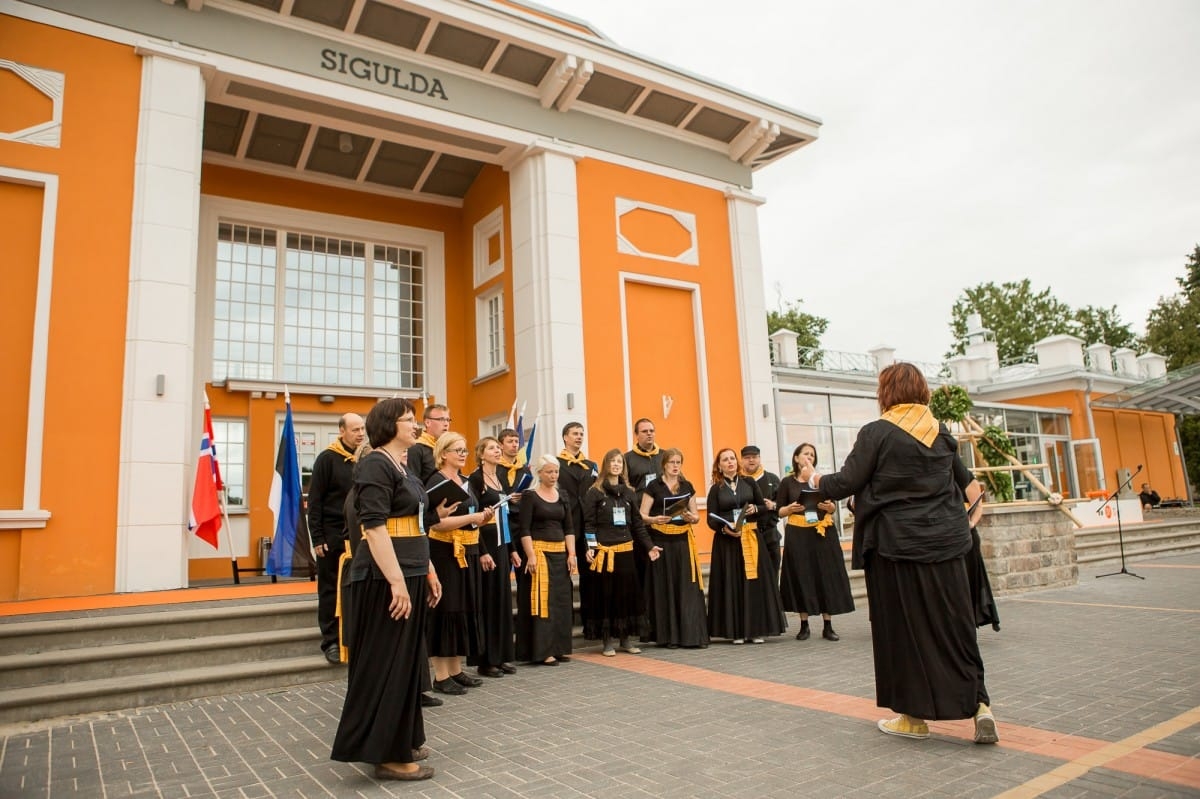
x,y
1100,605
1101,757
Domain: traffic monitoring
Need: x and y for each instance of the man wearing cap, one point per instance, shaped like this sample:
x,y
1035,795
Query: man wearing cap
x,y
768,519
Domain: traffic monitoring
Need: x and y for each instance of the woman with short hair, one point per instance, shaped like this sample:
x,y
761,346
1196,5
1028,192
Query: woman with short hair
x,y
912,537
544,607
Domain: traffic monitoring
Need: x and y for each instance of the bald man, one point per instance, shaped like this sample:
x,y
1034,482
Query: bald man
x,y
332,479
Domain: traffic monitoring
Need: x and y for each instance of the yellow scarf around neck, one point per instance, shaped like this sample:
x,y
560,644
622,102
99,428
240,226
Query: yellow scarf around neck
x,y
915,419
340,448
576,460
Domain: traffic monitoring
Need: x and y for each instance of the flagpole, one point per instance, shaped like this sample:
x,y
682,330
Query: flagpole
x,y
237,580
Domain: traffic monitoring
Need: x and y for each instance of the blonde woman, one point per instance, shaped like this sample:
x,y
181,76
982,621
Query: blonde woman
x,y
454,629
548,560
489,481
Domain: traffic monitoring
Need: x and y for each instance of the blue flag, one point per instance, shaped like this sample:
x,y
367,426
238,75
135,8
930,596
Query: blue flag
x,y
285,499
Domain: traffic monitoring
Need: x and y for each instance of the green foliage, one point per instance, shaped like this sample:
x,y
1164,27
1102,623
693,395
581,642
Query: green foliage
x,y
808,327
993,446
1189,442
950,403
1017,314
1173,326
1095,325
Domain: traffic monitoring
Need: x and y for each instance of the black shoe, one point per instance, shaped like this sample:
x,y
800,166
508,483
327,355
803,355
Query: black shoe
x,y
829,635
332,654
489,671
564,658
466,680
448,686
804,633
430,701
508,668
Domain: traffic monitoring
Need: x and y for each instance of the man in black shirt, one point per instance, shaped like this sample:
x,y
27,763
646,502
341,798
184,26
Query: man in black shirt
x,y
420,455
644,461
1149,497
768,519
332,479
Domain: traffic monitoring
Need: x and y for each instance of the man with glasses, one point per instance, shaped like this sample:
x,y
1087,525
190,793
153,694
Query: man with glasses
x,y
644,461
332,478
420,455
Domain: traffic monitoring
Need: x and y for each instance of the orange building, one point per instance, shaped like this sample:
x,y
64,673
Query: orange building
x,y
464,202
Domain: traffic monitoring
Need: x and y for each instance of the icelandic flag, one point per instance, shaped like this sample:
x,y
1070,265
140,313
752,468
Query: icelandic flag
x,y
205,517
285,499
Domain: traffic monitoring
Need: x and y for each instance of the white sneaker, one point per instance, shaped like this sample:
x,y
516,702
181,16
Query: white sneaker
x,y
756,640
985,726
739,640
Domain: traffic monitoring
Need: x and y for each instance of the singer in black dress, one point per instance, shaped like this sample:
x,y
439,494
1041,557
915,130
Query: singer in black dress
x,y
743,600
488,482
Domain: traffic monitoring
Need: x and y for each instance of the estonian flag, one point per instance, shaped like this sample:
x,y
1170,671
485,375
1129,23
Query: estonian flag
x,y
285,499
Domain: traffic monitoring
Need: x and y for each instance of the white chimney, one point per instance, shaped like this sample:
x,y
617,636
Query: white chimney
x,y
960,369
884,356
783,347
1100,356
1152,365
981,343
1127,363
1059,352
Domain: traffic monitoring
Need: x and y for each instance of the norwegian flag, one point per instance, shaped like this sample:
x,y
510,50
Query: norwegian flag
x,y
205,518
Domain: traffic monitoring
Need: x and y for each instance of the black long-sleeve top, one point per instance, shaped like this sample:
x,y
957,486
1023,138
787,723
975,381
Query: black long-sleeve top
x,y
602,503
907,497
383,492
332,477
420,461
542,520
489,538
723,500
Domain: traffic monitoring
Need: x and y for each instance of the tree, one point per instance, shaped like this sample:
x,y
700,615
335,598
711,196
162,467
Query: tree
x,y
1017,314
808,327
1173,326
1104,325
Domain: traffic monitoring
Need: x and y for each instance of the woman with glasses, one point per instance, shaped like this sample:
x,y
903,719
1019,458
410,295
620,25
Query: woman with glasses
x,y
615,608
489,482
674,585
544,613
454,625
393,582
743,600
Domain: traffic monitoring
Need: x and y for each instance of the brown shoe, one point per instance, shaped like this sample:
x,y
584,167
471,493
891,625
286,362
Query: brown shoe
x,y
383,772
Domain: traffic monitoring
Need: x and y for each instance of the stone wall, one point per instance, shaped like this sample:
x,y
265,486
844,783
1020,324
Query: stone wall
x,y
1027,547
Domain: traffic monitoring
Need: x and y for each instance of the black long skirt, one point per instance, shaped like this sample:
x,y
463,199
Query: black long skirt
x,y
981,587
615,607
674,604
496,613
454,627
737,607
927,661
539,638
381,718
814,579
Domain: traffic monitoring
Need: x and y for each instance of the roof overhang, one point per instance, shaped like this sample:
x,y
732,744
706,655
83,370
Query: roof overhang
x,y
1175,392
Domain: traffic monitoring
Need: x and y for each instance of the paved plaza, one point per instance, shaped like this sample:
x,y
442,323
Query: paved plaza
x,y
1096,689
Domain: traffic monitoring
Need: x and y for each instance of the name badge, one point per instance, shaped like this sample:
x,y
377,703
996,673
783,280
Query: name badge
x,y
810,516
619,516
591,540
421,517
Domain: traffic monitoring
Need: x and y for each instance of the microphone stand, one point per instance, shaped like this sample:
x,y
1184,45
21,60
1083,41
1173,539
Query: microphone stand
x,y
1120,532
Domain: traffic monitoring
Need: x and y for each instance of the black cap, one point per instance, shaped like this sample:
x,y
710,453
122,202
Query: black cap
x,y
750,449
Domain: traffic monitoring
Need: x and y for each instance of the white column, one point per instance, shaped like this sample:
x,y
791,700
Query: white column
x,y
752,323
157,407
547,300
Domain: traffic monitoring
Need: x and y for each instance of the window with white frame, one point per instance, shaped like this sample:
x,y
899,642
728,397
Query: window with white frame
x,y
489,247
229,443
489,332
492,425
342,313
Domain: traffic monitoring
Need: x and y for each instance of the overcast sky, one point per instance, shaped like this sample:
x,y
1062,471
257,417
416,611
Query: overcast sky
x,y
964,141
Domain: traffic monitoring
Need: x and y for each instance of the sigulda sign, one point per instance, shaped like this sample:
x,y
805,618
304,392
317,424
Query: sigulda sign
x,y
394,77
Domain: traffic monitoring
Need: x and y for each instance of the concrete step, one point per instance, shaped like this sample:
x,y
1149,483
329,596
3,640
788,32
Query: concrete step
x,y
1103,545
137,690
155,624
60,666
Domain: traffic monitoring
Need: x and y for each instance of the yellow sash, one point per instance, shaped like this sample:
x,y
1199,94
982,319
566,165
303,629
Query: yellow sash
x,y
403,526
427,440
798,520
577,460
916,420
539,596
461,540
750,549
338,447
610,554
681,529
343,563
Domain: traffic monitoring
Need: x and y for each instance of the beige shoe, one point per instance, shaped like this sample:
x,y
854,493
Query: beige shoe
x,y
985,726
904,726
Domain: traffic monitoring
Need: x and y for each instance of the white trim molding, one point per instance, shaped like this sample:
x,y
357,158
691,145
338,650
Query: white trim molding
x,y
47,132
31,515
701,350
485,229
686,220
